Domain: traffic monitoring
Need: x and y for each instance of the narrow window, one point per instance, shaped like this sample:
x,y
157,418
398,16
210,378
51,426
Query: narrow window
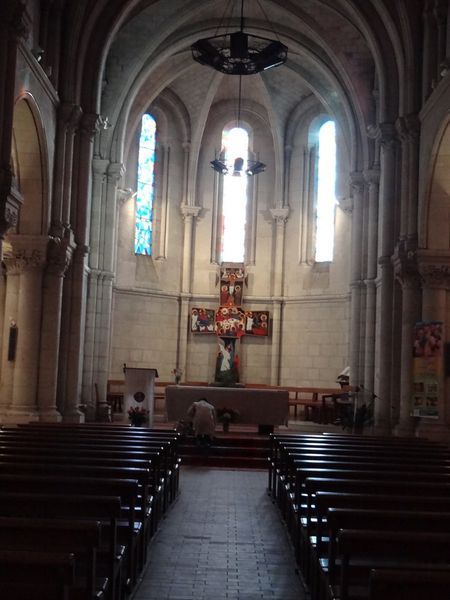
x,y
143,237
326,198
234,205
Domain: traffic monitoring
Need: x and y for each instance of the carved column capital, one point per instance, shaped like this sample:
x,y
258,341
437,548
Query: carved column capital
x,y
26,252
280,215
70,115
189,212
59,255
434,268
356,183
116,171
91,124
404,261
372,176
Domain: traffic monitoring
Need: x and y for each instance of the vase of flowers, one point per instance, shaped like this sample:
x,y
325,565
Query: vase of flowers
x,y
137,415
226,416
178,373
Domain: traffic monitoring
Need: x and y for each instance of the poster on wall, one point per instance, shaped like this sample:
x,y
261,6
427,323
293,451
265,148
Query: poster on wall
x,y
202,320
427,368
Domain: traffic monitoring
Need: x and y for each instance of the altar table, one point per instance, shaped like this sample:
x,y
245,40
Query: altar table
x,y
255,406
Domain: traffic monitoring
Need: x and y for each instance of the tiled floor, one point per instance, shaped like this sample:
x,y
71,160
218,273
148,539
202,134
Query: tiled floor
x,y
223,539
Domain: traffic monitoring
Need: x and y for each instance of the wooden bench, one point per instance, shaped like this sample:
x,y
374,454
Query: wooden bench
x,y
422,583
37,566
361,551
80,538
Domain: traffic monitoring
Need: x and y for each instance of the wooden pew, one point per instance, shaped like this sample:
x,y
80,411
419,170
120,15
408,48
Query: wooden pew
x,y
129,532
106,509
80,538
361,551
328,567
419,584
37,566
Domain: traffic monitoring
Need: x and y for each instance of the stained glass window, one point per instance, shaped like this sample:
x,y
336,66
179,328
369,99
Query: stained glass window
x,y
326,198
145,187
234,204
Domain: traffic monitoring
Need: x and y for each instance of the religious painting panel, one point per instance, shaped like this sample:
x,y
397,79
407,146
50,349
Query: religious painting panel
x,y
428,371
227,362
231,286
256,322
202,320
230,321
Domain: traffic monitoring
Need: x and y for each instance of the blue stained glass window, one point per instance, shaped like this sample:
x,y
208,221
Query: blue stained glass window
x,y
145,187
326,198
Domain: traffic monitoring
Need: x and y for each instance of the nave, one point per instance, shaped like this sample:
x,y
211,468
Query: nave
x,y
222,539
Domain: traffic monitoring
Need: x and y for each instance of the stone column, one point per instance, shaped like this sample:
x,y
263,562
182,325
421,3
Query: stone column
x,y
13,270
279,215
434,268
357,185
76,282
59,256
189,214
69,116
12,30
383,366
372,178
429,49
29,252
406,272
105,299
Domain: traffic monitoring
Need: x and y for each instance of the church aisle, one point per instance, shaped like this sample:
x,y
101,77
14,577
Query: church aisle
x,y
223,539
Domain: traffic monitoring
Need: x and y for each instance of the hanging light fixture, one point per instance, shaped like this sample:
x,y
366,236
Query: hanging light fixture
x,y
239,53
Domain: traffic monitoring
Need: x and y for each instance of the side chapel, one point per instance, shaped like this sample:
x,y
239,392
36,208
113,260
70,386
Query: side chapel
x,y
125,237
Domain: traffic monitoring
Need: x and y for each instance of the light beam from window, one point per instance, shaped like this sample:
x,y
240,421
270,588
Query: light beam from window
x,y
326,196
234,205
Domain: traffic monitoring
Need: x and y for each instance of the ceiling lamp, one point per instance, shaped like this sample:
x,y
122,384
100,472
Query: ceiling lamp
x,y
239,53
253,167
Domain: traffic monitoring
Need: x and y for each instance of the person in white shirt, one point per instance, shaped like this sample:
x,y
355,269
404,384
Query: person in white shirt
x,y
203,415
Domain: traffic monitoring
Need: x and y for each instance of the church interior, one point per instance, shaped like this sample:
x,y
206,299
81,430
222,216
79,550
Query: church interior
x,y
110,245
226,194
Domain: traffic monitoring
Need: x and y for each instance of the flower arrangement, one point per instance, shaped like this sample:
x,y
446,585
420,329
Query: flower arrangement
x,y
178,373
137,415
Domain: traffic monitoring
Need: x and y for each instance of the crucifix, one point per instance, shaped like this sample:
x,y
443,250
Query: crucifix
x,y
229,322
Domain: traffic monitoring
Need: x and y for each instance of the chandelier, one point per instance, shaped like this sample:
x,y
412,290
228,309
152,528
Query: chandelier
x,y
239,53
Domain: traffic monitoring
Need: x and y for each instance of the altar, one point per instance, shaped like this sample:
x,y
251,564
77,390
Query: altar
x,y
255,406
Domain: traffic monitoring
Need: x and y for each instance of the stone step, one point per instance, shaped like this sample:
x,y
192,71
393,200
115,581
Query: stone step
x,y
226,462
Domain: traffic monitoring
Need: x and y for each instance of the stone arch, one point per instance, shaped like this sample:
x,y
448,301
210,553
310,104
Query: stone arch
x,y
437,228
30,170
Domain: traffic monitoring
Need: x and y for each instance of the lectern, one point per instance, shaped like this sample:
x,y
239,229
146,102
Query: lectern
x,y
139,392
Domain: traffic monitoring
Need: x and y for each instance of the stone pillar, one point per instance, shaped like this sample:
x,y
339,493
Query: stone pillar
x,y
372,178
12,30
357,185
105,298
189,214
76,282
429,49
279,215
69,116
434,268
405,265
29,253
59,255
383,366
13,270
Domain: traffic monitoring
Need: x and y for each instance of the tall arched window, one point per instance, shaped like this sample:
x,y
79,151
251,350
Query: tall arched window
x,y
326,197
143,238
235,144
